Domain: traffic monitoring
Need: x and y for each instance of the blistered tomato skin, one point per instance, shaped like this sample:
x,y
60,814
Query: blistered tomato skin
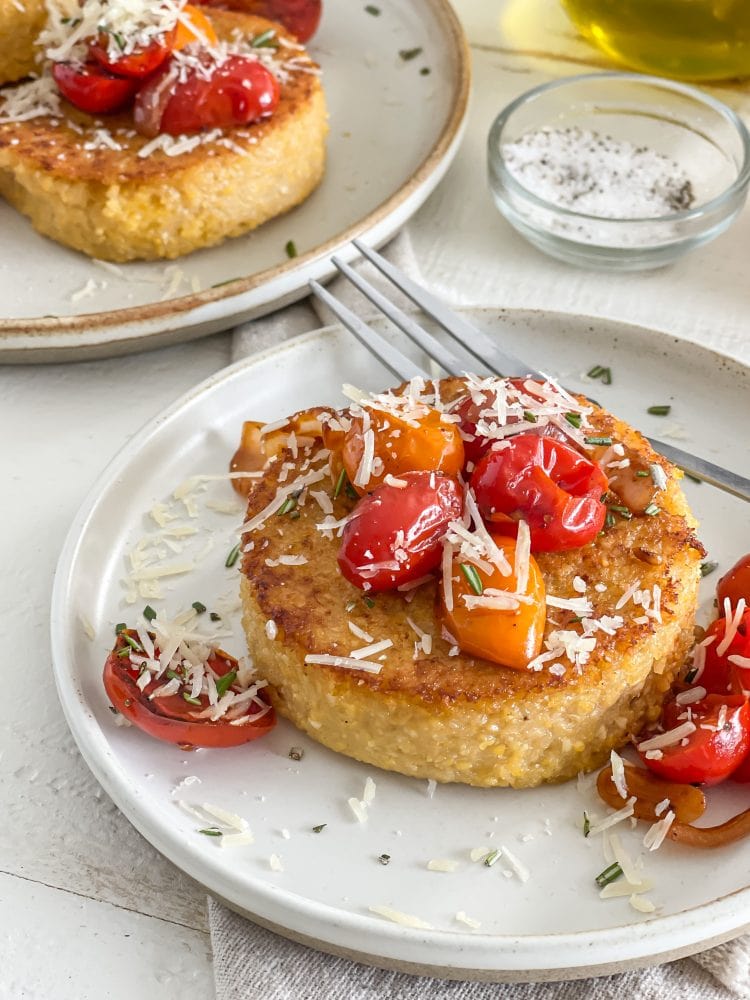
x,y
395,534
735,584
399,447
711,754
548,484
470,408
239,91
91,88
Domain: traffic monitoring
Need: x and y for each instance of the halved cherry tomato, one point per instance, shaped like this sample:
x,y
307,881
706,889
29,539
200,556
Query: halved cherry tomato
x,y
138,64
511,638
256,448
192,27
172,718
301,17
709,756
91,88
394,535
735,584
723,674
432,446
546,483
238,91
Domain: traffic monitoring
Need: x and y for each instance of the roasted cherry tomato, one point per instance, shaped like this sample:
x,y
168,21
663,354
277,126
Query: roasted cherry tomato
x,y
510,637
238,91
730,671
91,88
394,535
470,409
735,584
709,756
301,17
257,447
431,446
546,483
172,718
742,773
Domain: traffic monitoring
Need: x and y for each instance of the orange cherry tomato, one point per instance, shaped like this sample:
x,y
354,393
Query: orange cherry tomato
x,y
173,718
511,638
735,584
198,29
432,446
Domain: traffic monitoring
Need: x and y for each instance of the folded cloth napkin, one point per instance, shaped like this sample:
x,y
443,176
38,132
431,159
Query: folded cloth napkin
x,y
251,963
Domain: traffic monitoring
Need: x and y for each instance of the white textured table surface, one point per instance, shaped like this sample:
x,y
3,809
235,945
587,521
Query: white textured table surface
x,y
88,910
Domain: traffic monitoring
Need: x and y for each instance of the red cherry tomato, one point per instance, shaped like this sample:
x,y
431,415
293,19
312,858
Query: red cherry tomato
x,y
137,64
742,773
723,674
394,535
546,483
172,718
91,88
301,17
470,409
735,584
238,91
709,756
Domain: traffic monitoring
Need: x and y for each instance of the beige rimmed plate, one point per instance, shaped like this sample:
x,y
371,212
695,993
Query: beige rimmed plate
x,y
395,126
553,926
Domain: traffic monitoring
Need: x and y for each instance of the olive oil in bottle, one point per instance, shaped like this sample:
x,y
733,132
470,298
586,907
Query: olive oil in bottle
x,y
689,39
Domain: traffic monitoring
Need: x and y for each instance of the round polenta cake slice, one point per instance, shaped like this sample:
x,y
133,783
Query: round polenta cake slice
x,y
619,624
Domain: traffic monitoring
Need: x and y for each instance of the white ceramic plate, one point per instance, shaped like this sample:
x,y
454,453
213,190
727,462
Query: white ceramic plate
x,y
553,925
393,135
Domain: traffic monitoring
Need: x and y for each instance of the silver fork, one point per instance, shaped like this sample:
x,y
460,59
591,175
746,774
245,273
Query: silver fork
x,y
477,343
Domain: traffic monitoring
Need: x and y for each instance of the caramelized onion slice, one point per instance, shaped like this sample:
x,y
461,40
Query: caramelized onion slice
x,y
687,803
712,836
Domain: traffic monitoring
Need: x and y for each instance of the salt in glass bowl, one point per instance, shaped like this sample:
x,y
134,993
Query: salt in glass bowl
x,y
702,136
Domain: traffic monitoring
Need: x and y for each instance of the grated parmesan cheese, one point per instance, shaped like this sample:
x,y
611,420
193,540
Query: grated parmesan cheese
x,y
397,917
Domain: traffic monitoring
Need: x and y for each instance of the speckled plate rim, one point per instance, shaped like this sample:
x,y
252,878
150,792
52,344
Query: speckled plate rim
x,y
159,323
442,953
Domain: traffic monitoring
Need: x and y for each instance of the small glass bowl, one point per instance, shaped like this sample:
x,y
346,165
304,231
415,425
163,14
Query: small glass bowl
x,y
701,135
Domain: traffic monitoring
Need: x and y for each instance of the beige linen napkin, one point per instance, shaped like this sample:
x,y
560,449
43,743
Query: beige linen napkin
x,y
251,963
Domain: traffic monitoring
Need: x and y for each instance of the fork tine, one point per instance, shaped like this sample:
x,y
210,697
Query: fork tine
x,y
474,340
432,347
390,356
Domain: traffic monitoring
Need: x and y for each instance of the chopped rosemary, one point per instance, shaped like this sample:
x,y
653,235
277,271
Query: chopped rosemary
x,y
214,616
119,627
659,411
350,491
610,520
574,419
224,682
425,71
708,567
529,417
190,700
624,512
265,40
586,824
491,858
319,827
172,675
148,613
368,602
474,579
289,504
601,372
384,859
122,653
691,675
372,9
131,642
598,440
211,831
296,753
409,54
642,473
339,483
233,556
198,606
291,249
610,874
652,510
